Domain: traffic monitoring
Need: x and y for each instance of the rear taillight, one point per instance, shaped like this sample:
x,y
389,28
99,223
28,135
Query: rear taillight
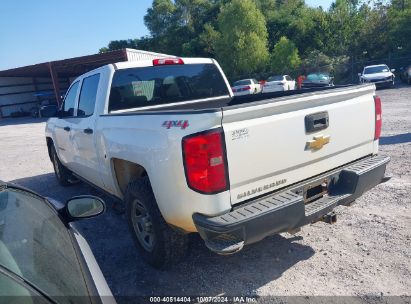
x,y
246,88
205,161
168,61
378,117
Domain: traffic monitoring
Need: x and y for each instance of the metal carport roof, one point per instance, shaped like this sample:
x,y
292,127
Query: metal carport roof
x,y
73,67
67,67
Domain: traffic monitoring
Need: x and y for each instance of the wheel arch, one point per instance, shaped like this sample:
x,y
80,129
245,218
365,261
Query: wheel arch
x,y
50,143
126,171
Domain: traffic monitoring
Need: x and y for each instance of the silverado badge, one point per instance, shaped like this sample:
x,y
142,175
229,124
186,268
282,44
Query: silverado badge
x,y
318,142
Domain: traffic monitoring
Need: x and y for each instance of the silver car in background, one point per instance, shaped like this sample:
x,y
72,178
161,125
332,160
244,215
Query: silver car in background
x,y
379,74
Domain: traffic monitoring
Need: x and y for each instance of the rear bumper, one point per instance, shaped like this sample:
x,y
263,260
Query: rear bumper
x,y
242,93
271,89
286,210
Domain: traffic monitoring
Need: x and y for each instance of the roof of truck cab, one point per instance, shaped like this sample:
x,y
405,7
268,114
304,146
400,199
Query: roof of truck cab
x,y
148,63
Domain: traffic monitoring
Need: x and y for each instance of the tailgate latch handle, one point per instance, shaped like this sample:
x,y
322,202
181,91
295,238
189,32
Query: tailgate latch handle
x,y
316,122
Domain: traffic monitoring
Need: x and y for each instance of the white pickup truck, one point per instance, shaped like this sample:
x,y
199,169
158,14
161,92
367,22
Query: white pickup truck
x,y
168,138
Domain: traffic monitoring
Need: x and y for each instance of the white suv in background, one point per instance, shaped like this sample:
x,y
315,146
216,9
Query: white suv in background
x,y
246,87
379,74
279,83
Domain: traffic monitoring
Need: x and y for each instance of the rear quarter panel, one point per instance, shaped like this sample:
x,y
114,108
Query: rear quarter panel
x,y
142,139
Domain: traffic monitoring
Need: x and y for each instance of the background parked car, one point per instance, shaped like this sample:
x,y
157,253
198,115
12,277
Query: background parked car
x,y
43,257
279,83
315,80
47,108
246,87
405,74
379,74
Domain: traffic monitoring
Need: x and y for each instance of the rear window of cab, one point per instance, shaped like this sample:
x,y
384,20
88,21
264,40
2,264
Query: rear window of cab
x,y
162,85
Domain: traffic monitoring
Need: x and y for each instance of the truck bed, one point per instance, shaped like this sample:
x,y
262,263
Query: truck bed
x,y
241,101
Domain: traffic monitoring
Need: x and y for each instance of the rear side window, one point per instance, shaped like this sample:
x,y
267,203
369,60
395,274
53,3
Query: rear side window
x,y
275,78
70,100
88,95
158,85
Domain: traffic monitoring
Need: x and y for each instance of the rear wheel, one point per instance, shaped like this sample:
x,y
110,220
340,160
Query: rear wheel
x,y
158,244
63,175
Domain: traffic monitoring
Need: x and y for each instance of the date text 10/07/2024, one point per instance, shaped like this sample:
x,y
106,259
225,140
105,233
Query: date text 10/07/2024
x,y
203,299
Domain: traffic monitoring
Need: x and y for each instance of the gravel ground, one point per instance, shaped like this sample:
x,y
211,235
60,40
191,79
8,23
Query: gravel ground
x,y
368,251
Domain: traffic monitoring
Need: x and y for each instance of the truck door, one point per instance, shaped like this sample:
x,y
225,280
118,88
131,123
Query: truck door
x,y
62,131
86,159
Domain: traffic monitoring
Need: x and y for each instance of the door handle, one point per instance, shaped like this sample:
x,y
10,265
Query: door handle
x,y
88,131
316,122
67,129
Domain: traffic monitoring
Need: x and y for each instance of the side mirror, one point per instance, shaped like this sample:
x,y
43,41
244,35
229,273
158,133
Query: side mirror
x,y
84,206
393,70
359,74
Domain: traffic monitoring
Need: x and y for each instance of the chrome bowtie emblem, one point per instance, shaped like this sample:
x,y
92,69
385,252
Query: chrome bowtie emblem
x,y
318,142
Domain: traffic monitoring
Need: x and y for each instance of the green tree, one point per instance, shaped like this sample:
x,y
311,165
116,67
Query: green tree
x,y
316,61
399,16
242,44
159,17
346,24
208,39
119,44
284,57
370,35
307,27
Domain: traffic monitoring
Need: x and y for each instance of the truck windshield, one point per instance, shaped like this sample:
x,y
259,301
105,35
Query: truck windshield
x,y
162,85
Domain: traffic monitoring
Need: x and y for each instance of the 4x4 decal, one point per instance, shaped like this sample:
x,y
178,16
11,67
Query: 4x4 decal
x,y
175,124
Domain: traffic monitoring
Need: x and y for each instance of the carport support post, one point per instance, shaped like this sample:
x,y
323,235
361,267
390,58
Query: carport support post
x,y
56,85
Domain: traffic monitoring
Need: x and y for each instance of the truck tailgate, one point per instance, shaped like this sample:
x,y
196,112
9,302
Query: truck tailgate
x,y
269,145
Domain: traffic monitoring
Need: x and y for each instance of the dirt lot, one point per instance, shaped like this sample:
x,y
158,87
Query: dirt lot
x,y
368,251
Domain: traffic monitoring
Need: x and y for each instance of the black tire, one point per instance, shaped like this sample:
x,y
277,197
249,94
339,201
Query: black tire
x,y
63,175
167,246
408,80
